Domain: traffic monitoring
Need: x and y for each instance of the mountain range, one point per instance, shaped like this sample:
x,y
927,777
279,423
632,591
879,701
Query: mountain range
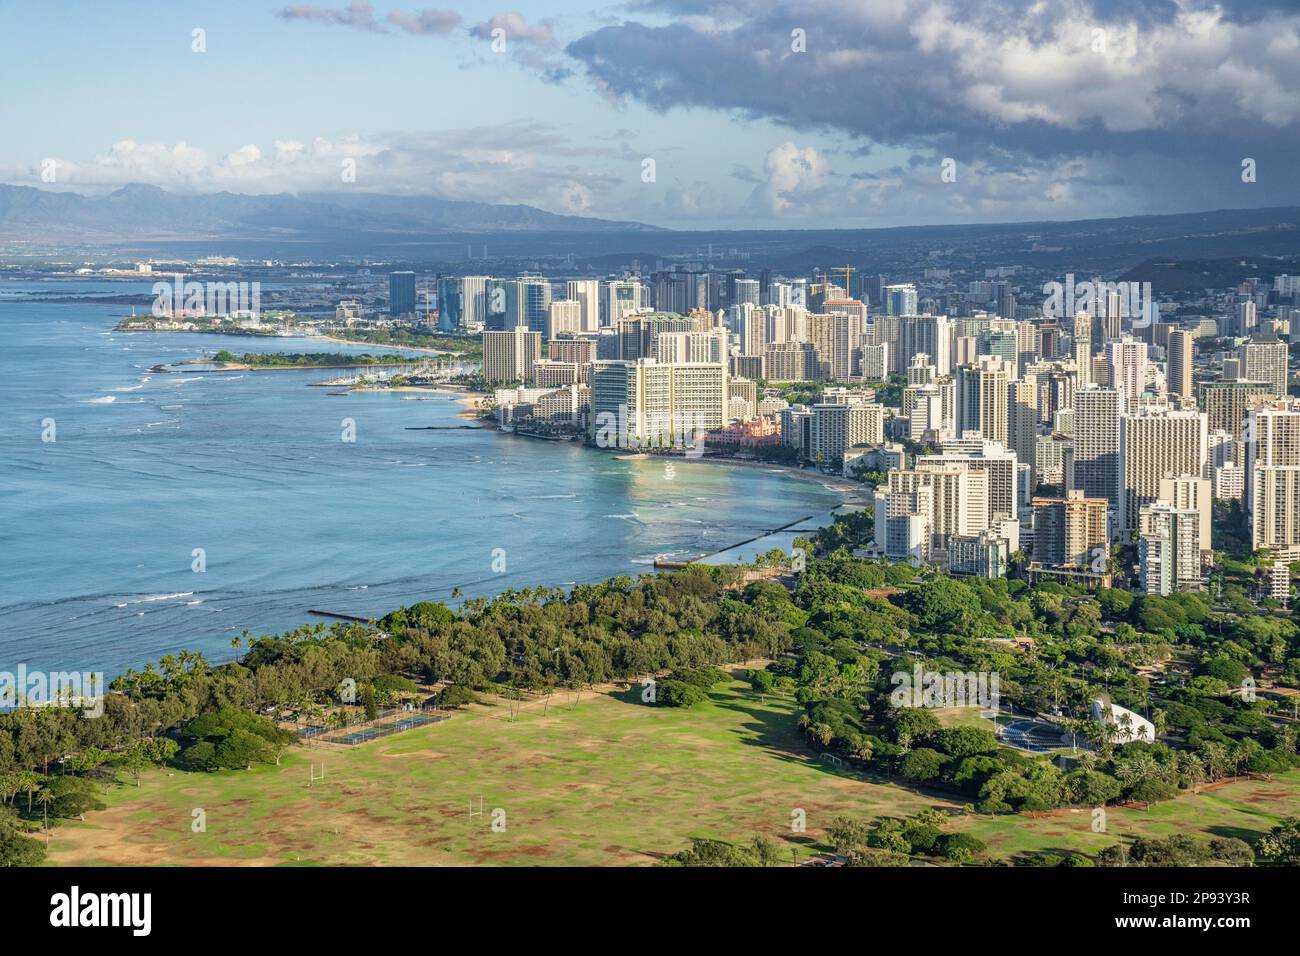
x,y
139,212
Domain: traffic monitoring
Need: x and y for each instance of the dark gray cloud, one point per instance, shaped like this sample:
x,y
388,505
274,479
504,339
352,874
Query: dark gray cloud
x,y
1147,89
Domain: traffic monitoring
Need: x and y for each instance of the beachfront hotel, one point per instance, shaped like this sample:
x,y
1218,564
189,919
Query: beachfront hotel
x,y
650,402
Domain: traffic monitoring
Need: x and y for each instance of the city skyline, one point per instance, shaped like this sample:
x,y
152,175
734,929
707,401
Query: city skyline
x,y
848,434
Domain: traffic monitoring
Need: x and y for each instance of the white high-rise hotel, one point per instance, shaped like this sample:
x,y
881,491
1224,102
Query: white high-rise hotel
x,y
586,292
1273,475
1097,413
1156,442
646,403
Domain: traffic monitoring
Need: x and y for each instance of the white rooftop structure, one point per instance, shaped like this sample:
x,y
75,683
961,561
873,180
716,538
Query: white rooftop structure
x,y
1126,725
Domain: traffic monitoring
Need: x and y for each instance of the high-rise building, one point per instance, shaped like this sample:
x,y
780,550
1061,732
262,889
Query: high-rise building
x,y
510,356
637,333
619,297
796,429
473,303
1006,300
902,522
579,350
677,348
1192,493
982,398
1083,349
1070,532
528,303
899,299
985,555
586,292
792,362
875,362
682,290
1127,358
451,308
1169,548
1155,442
928,334
837,428
1242,321
920,371
1264,359
548,373
565,318
1112,317
1180,350
1226,404
1001,342
401,293
1272,473
642,403
1097,414
870,287
957,505
746,290
749,324
1022,422
974,452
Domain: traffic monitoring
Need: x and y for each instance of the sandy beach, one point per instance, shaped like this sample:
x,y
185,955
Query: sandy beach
x,y
852,492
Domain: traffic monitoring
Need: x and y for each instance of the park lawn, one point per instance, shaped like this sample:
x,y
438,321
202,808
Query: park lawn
x,y
1245,809
598,781
604,780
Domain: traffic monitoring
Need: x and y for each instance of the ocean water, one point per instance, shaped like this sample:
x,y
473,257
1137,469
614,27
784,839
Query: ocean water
x,y
98,528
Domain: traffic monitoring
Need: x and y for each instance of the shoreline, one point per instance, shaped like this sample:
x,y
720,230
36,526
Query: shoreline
x,y
388,345
841,486
850,492
303,336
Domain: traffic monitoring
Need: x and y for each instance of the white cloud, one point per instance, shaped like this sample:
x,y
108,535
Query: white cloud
x,y
523,162
793,174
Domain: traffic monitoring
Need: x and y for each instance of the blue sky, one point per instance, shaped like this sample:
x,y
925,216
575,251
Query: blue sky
x,y
1059,109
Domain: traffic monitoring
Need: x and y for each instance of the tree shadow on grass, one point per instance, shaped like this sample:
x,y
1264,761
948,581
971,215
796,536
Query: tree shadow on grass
x,y
779,735
632,695
1240,833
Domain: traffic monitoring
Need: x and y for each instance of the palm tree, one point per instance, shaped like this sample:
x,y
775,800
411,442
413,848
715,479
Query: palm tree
x,y
1215,758
45,798
1240,757
29,783
1191,769
1138,768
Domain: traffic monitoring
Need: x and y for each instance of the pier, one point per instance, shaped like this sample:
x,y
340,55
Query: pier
x,y
340,617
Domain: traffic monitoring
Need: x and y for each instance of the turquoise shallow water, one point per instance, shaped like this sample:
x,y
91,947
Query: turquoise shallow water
x,y
98,528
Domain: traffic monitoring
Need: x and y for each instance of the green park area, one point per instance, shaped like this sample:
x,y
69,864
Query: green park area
x,y
600,778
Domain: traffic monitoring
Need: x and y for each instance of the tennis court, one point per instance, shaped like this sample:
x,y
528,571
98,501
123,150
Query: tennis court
x,y
374,732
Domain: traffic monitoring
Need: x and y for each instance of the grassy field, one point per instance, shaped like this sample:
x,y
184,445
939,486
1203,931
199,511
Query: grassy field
x,y
607,780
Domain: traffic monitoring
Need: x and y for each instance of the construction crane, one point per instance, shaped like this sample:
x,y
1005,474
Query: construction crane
x,y
848,277
428,313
